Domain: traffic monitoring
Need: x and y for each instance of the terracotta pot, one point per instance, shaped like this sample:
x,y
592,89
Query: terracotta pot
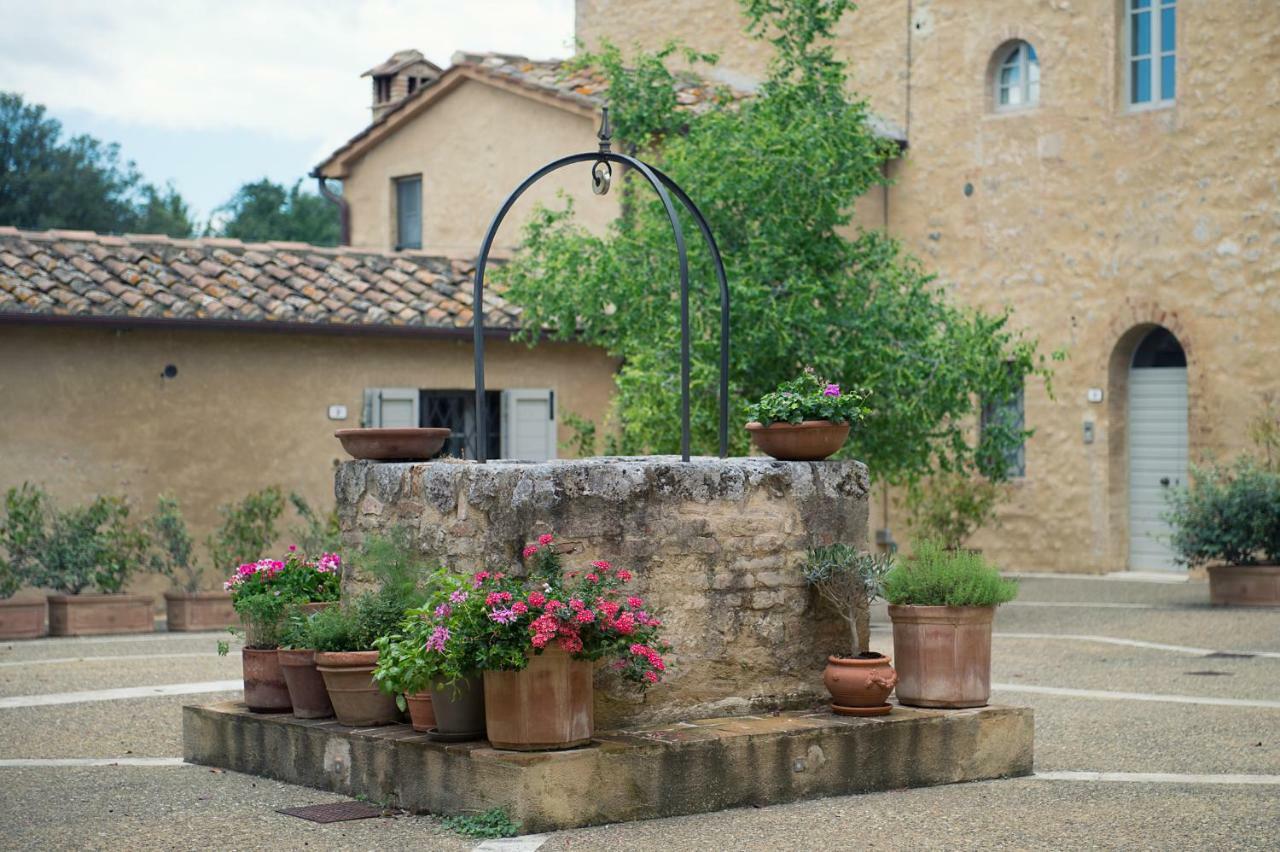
x,y
459,708
88,615
264,687
307,694
422,716
357,701
198,611
22,619
546,705
1244,585
810,440
316,606
944,654
859,685
407,444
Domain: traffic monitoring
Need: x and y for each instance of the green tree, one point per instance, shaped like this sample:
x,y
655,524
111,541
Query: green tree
x,y
48,182
776,175
263,210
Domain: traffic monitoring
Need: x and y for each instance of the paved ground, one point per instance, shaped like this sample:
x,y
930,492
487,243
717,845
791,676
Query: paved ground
x,y
1124,678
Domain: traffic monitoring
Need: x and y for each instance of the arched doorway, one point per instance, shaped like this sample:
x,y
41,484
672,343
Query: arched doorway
x,y
1157,443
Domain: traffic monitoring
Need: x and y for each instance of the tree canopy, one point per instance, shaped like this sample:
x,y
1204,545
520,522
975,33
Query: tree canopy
x,y
777,176
263,210
47,181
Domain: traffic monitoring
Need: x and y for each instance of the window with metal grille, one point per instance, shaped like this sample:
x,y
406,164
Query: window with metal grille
x,y
1009,415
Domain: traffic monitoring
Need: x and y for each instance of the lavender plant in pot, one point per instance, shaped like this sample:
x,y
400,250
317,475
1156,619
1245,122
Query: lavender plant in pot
x,y
849,580
805,419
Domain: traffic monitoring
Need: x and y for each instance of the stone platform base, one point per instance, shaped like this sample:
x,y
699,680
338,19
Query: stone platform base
x,y
659,771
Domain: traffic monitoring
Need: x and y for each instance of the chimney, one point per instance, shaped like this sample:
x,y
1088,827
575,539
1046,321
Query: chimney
x,y
402,76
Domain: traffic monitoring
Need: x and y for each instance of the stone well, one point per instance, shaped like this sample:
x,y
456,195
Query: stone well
x,y
715,546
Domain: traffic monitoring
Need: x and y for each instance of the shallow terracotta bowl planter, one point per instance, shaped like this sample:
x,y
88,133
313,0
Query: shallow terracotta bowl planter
x,y
22,619
265,690
547,705
185,611
943,654
1244,585
810,440
357,701
90,615
305,684
406,444
860,686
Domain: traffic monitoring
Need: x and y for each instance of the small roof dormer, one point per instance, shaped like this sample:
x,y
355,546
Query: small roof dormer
x,y
400,76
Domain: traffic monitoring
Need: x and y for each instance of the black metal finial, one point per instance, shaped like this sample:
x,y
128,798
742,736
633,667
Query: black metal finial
x,y
605,135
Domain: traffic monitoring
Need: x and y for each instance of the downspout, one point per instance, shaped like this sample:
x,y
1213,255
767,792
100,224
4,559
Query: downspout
x,y
344,210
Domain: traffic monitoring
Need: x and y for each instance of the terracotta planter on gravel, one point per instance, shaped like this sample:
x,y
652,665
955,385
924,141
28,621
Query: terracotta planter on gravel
x,y
860,686
22,619
357,701
264,687
422,715
943,654
547,705
186,611
307,694
1244,585
459,710
90,615
810,440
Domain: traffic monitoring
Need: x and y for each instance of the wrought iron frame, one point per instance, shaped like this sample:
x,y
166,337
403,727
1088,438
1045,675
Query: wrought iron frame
x,y
601,172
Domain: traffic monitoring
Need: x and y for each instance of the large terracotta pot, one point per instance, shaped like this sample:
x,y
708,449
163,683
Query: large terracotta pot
x,y
546,705
810,440
264,687
89,615
307,694
357,701
22,619
422,715
459,709
198,611
943,654
859,685
1244,585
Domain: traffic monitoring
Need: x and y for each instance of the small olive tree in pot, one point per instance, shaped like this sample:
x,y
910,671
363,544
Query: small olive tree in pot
x,y
849,581
21,534
187,606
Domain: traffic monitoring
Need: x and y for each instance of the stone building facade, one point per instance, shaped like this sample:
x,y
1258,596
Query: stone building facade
x,y
1116,185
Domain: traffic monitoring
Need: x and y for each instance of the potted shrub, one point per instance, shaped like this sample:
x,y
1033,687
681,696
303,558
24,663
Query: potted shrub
x,y
941,603
85,548
307,695
1229,520
539,638
247,530
186,606
805,419
849,580
21,536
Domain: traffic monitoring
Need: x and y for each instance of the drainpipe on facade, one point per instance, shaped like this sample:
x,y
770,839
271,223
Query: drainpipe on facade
x,y
344,210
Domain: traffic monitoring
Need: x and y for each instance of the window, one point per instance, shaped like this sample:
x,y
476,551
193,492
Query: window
x,y
1151,35
413,85
1009,416
1018,77
409,212
381,89
519,423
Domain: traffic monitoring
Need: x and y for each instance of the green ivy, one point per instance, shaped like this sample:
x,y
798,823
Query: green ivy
x,y
492,823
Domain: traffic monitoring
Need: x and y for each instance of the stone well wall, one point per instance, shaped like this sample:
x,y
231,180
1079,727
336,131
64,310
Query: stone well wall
x,y
715,546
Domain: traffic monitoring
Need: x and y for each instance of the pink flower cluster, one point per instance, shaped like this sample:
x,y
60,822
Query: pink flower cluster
x,y
437,639
269,567
329,563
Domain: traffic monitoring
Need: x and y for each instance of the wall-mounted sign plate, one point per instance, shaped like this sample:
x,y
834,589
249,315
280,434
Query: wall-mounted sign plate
x,y
1094,394
337,412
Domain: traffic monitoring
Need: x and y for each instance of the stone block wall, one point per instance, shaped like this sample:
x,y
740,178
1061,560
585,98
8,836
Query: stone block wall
x,y
715,546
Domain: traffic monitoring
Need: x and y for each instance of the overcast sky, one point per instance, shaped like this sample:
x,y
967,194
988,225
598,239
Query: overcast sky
x,y
211,94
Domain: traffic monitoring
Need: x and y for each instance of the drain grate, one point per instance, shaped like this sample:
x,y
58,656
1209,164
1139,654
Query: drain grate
x,y
333,812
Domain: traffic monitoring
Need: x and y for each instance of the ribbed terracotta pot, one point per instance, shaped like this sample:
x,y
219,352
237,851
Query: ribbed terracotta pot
x,y
307,694
1244,585
809,440
422,715
459,708
90,615
264,687
357,701
186,611
943,654
546,705
859,686
22,619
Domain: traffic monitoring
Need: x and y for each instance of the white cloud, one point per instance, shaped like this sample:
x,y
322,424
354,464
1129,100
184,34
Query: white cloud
x,y
286,68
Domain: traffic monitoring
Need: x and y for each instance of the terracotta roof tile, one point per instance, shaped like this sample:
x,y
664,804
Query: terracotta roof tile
x,y
78,273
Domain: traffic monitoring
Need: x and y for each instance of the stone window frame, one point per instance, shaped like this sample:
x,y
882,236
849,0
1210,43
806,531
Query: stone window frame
x,y
1156,54
1028,58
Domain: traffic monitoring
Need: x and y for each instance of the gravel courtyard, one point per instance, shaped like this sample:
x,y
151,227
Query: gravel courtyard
x,y
1157,727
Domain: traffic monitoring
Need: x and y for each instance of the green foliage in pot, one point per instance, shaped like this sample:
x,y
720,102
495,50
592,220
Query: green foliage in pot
x,y
936,576
171,545
1228,514
248,528
22,533
849,580
808,397
949,506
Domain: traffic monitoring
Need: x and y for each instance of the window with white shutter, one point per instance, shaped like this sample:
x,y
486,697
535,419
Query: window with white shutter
x,y
528,424
390,408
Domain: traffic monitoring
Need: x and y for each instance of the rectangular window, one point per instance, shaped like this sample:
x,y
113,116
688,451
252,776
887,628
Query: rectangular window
x,y
518,423
1009,415
409,212
1151,55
